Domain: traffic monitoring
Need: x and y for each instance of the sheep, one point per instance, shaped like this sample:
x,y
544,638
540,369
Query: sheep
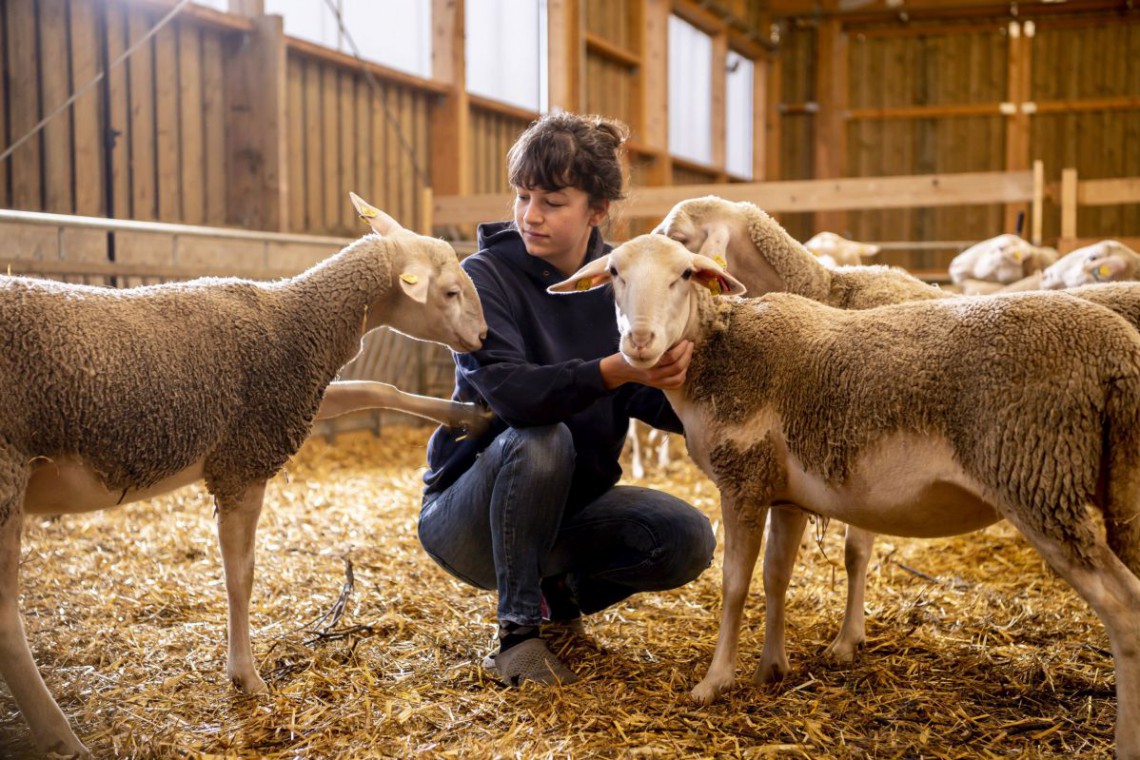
x,y
119,395
763,255
1106,261
923,418
834,251
986,266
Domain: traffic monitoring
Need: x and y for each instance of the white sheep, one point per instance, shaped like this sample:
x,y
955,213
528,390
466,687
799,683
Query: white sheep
x,y
1106,261
919,419
834,251
987,266
119,395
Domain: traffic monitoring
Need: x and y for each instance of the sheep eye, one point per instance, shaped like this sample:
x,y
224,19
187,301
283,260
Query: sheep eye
x,y
687,274
613,272
453,293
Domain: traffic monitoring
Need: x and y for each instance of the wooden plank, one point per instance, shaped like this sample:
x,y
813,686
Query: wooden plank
x,y
450,164
314,145
718,100
362,180
140,74
346,215
23,93
600,46
392,152
5,192
376,171
88,133
1017,123
191,165
295,139
167,142
773,137
214,128
1105,192
58,195
329,179
407,159
345,61
120,121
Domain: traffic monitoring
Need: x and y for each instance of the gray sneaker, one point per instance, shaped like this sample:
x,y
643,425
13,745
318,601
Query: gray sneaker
x,y
530,660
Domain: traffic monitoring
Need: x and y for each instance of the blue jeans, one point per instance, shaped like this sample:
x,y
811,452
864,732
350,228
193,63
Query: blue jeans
x,y
504,525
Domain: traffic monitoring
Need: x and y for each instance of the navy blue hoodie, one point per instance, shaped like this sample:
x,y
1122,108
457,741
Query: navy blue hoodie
x,y
540,365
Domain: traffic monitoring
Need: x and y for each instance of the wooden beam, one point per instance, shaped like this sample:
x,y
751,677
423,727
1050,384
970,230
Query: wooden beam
x,y
1017,117
919,191
718,99
1108,192
256,119
773,136
831,92
655,75
917,112
567,59
608,50
1068,203
759,117
450,121
701,18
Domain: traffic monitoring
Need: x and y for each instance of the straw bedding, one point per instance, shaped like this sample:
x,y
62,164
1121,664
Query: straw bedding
x,y
975,648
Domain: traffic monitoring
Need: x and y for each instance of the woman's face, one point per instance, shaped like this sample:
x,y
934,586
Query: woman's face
x,y
555,225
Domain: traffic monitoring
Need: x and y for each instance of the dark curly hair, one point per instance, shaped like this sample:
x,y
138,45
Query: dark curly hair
x,y
561,150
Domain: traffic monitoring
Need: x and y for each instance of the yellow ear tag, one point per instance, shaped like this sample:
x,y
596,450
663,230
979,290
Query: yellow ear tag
x,y
721,262
367,212
1103,270
411,279
715,286
583,284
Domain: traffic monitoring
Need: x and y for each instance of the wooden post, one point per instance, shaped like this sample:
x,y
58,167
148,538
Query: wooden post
x,y
451,165
654,76
719,100
773,136
567,58
1068,208
255,125
831,94
1038,200
1017,113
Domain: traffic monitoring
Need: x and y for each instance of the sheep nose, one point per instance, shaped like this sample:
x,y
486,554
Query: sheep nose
x,y
641,337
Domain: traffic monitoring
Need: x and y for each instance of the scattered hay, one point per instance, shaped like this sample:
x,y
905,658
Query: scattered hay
x,y
975,648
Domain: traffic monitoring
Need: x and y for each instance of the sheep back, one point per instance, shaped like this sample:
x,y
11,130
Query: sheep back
x,y
141,383
1023,387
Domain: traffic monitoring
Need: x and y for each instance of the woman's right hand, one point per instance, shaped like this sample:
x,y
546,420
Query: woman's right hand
x,y
667,374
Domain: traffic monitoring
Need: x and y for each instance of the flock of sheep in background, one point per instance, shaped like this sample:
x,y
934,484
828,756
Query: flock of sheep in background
x,y
854,392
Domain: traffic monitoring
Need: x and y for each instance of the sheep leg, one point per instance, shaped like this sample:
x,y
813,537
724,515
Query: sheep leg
x,y
1113,592
742,538
785,529
237,528
853,633
347,396
635,463
49,725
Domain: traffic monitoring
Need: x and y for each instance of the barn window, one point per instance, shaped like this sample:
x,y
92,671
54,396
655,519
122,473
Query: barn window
x,y
391,33
506,51
690,92
738,117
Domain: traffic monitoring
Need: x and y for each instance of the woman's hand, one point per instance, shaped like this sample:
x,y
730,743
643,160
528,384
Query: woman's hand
x,y
667,374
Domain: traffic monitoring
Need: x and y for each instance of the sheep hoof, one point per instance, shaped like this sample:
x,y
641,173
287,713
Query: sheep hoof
x,y
843,650
771,672
72,748
252,684
708,690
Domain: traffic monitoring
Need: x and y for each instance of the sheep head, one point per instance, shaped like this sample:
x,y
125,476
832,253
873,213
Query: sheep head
x,y
1004,259
1106,261
655,281
842,252
440,303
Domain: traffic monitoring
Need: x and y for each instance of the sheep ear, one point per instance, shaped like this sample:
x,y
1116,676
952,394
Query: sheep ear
x,y
381,223
715,246
593,275
869,249
415,279
710,274
1106,269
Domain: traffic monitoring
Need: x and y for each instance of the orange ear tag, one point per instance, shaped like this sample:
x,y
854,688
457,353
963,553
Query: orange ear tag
x,y
583,284
411,279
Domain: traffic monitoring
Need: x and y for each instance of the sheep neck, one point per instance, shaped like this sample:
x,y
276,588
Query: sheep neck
x,y
799,272
338,298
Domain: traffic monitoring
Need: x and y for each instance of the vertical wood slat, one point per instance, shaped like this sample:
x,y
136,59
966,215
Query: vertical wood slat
x,y
167,139
407,194
297,144
191,165
58,196
5,139
23,92
89,169
314,147
140,68
392,152
346,119
214,129
122,199
378,182
330,144
362,183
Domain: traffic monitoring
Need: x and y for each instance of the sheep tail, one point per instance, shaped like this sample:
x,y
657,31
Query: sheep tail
x,y
1121,504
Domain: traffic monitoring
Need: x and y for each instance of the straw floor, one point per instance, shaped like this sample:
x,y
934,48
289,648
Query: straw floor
x,y
975,648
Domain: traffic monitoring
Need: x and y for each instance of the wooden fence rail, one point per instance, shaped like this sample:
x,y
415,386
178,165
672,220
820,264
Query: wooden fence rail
x,y
1076,192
